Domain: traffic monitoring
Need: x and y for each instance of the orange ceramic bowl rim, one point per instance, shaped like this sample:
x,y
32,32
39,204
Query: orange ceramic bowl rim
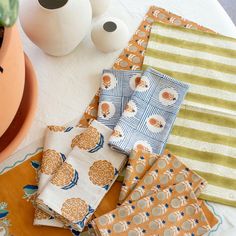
x,y
4,154
12,77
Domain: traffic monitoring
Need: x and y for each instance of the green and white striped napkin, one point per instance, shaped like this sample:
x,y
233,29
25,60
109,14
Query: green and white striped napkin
x,y
204,134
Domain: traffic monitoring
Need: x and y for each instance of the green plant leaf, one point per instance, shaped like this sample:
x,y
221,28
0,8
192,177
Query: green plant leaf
x,y
8,12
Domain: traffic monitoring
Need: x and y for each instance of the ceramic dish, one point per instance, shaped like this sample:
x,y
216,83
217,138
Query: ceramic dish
x,y
24,116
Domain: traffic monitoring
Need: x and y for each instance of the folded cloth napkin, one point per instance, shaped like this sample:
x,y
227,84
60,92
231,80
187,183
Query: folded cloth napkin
x,y
79,185
166,171
139,163
149,115
172,211
115,91
57,146
204,134
139,170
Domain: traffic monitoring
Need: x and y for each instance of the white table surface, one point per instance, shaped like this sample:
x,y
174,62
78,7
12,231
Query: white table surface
x,y
67,84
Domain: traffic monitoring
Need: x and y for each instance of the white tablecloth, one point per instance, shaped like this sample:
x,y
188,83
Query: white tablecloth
x,y
67,84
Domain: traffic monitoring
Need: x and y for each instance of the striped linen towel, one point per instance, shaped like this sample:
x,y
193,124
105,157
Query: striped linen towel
x,y
116,88
204,134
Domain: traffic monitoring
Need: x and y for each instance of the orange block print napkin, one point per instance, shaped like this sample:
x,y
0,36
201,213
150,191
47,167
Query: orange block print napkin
x,y
132,56
172,211
139,163
140,166
166,171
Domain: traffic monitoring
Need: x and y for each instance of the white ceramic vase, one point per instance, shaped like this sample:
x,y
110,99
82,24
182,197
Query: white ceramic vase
x,y
99,6
110,34
56,26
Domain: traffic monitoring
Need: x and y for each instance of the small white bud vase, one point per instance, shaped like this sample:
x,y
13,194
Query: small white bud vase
x,y
99,6
56,26
110,34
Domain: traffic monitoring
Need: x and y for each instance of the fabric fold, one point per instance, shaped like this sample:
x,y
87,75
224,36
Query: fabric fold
x,y
149,115
57,145
172,211
139,163
115,91
157,207
79,185
167,170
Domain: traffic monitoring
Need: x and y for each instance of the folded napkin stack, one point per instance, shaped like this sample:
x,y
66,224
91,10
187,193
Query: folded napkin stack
x,y
72,186
80,183
161,172
163,202
139,114
150,113
172,211
57,146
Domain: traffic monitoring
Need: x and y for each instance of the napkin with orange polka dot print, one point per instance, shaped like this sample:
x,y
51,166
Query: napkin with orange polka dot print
x,y
78,186
150,113
57,145
115,91
171,211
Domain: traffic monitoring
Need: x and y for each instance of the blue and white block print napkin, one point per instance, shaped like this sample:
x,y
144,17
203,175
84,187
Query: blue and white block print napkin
x,y
149,115
116,90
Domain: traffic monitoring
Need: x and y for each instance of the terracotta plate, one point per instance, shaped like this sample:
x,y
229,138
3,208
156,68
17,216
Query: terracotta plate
x,y
24,116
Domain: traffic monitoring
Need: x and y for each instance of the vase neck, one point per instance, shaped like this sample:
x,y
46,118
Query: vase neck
x,y
52,4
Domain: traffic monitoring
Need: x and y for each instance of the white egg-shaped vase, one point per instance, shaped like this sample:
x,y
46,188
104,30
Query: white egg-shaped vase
x,y
56,26
110,34
99,6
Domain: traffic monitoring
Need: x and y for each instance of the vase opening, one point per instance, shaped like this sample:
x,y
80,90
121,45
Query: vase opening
x,y
52,4
110,26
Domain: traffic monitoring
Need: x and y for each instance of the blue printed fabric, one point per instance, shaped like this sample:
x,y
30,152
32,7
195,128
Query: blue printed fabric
x,y
149,115
116,90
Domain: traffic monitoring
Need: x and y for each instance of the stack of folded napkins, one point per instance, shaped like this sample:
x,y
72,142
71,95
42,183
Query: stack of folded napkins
x,y
78,168
136,113
162,202
136,119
